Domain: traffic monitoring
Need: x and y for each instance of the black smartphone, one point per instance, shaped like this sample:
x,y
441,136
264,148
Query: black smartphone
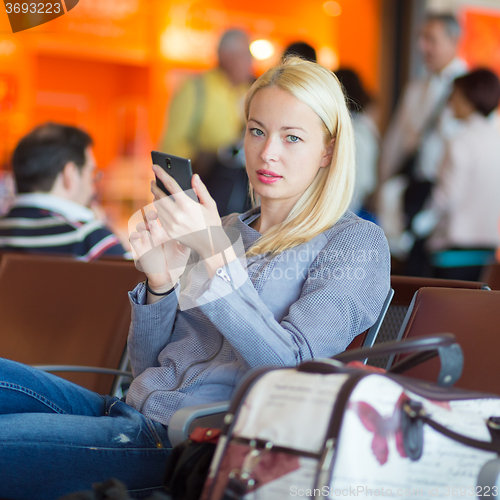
x,y
177,167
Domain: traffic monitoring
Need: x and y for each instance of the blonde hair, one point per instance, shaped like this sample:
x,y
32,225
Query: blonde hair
x,y
329,195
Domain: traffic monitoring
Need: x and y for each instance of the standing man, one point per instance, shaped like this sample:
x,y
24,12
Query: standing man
x,y
418,130
207,112
206,123
424,100
54,168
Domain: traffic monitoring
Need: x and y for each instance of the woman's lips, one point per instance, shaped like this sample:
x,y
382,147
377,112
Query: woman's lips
x,y
267,176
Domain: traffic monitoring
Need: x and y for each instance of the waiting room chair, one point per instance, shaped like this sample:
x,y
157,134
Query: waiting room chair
x,y
491,275
404,289
60,311
473,317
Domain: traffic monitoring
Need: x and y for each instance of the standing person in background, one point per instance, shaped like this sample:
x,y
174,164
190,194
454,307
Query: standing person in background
x,y
414,141
54,169
465,202
423,98
366,138
206,118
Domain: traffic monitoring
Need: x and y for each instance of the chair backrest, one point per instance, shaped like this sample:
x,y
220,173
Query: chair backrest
x,y
57,310
473,316
491,276
368,337
404,289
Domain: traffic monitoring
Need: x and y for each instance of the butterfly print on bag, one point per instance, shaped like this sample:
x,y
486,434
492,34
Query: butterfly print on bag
x,y
382,427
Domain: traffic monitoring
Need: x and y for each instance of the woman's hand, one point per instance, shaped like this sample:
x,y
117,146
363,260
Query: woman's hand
x,y
162,259
194,225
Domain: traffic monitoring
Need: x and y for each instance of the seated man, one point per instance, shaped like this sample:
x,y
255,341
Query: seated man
x,y
53,169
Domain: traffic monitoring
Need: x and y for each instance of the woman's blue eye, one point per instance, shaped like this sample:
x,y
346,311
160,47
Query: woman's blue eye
x,y
293,138
256,131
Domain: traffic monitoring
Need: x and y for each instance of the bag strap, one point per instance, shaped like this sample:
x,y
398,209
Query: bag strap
x,y
416,412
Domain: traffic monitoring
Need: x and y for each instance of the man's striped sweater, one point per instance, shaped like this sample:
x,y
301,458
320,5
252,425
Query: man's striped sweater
x,y
42,223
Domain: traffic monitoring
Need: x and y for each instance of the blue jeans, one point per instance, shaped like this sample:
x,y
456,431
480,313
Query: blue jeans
x,y
57,438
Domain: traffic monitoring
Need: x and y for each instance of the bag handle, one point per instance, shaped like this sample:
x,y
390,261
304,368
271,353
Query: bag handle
x,y
424,348
451,358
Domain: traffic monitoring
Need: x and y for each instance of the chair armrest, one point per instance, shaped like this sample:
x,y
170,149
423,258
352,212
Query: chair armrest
x,y
120,375
489,478
372,334
179,425
84,369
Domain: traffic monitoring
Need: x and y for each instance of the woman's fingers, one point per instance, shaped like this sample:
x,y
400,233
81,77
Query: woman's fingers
x,y
137,244
158,234
181,218
150,219
141,237
149,256
140,227
151,215
135,238
201,191
168,181
149,233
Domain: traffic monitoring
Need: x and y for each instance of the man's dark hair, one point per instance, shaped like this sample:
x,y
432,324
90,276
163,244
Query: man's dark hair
x,y
301,49
449,22
41,155
482,88
357,96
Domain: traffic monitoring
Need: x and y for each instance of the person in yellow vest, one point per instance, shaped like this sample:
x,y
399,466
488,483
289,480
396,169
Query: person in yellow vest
x,y
206,114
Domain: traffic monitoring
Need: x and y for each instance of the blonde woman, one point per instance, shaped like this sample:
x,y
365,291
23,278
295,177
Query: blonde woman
x,y
295,278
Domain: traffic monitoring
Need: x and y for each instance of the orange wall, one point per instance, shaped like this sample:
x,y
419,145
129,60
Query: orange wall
x,y
90,94
104,56
359,39
111,66
480,45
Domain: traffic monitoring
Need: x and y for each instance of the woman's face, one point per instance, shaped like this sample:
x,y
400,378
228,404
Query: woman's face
x,y
284,146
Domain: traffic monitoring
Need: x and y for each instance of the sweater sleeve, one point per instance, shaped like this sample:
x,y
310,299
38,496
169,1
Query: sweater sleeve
x,y
341,297
150,329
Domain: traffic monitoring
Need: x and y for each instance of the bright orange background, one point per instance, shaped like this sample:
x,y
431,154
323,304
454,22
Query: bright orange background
x,y
102,54
111,66
480,44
